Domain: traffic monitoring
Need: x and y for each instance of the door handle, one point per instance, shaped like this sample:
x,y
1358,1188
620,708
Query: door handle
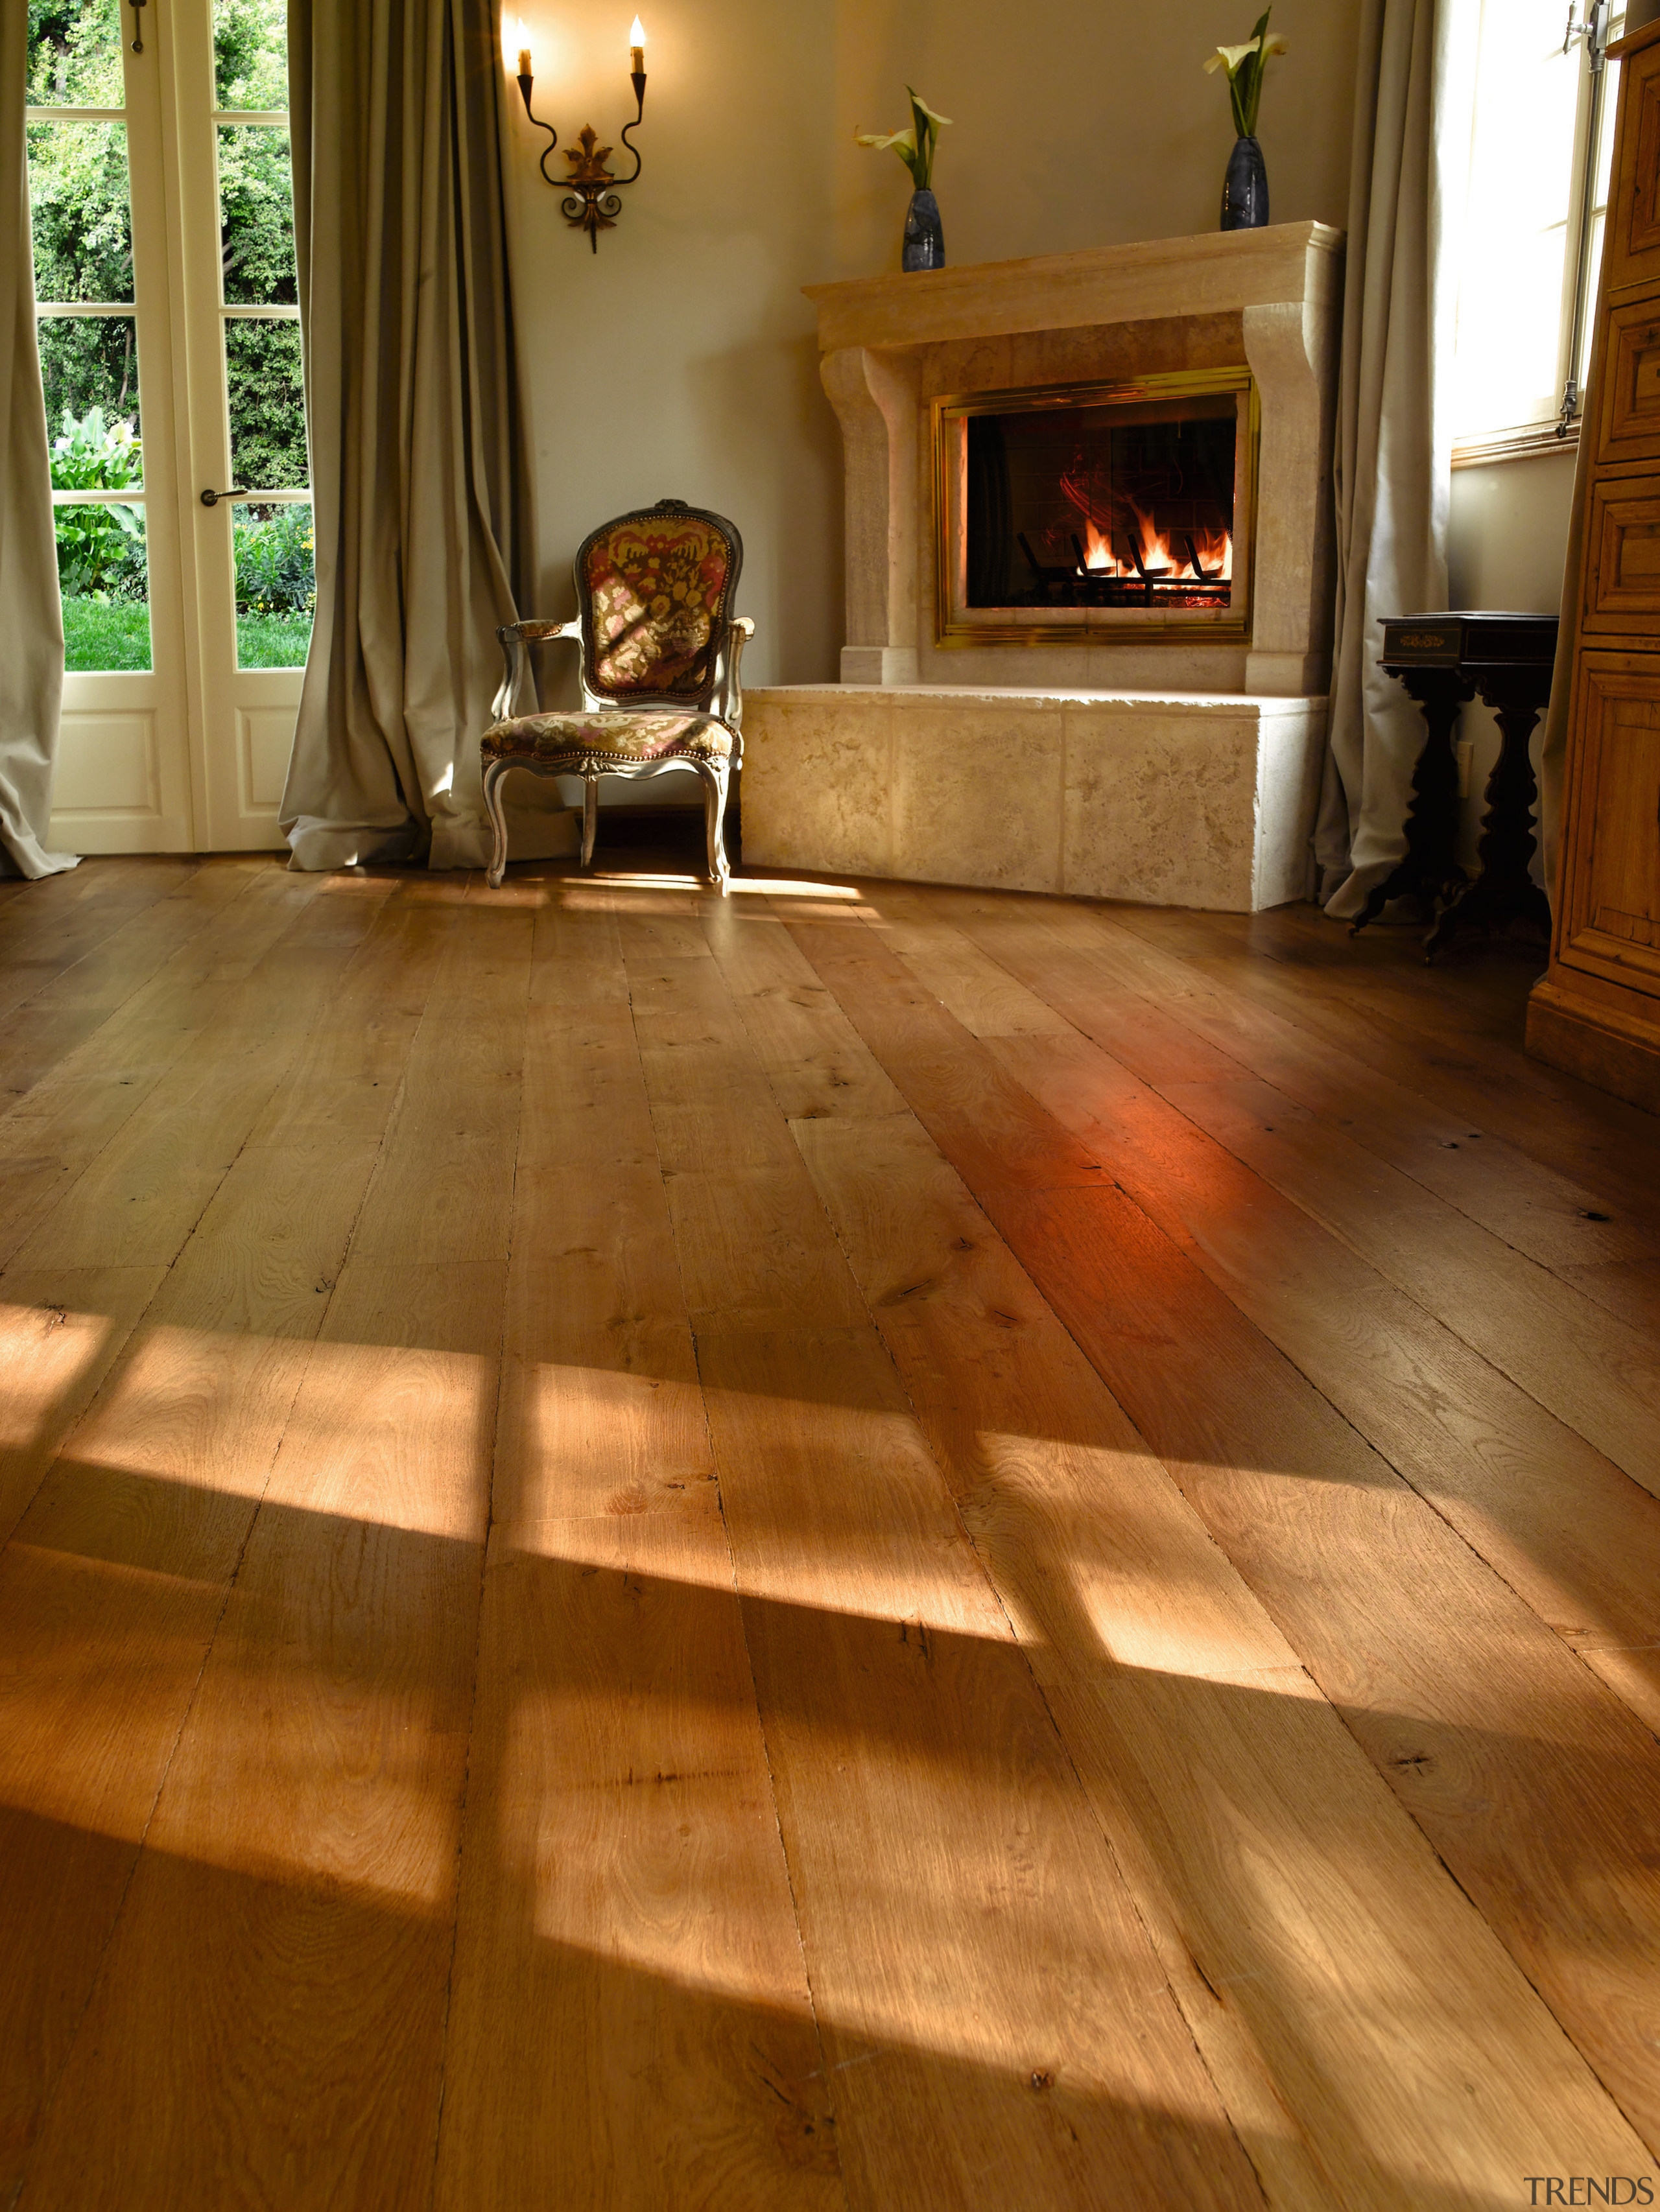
x,y
212,498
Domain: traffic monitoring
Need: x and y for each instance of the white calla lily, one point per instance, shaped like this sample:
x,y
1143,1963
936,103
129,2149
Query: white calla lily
x,y
914,144
1245,65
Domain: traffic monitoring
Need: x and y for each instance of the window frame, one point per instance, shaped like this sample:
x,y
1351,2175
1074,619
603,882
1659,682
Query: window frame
x,y
1601,23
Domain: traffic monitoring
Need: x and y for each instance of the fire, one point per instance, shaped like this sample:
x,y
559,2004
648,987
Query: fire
x,y
1213,550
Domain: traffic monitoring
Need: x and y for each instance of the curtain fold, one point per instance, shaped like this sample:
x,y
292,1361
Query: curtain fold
x,y
1554,745
420,481
1413,98
31,611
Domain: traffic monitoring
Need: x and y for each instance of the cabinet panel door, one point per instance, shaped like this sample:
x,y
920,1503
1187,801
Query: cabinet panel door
x,y
1622,547
1633,249
1630,427
1611,920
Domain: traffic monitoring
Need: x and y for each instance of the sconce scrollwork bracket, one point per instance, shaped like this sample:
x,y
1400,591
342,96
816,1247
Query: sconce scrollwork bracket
x,y
589,199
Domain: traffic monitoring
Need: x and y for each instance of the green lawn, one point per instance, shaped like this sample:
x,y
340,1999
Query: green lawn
x,y
272,641
115,636
118,636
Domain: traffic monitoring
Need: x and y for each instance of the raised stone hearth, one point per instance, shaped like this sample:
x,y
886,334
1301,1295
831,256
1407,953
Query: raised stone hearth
x,y
1114,754
1179,799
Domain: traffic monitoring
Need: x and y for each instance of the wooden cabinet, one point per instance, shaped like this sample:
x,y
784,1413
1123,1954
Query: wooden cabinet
x,y
1596,1011
1633,237
1628,420
1611,870
1623,551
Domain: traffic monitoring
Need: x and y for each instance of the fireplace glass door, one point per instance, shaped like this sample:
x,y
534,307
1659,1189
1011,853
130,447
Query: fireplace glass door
x,y
1097,514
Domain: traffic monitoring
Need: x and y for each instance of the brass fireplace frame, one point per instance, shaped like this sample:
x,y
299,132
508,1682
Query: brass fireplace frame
x,y
1093,626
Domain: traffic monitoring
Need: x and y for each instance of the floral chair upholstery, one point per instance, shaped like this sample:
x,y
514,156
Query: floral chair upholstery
x,y
660,651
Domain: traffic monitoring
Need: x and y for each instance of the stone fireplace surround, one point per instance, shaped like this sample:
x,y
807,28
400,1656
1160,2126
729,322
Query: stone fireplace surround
x,y
1172,774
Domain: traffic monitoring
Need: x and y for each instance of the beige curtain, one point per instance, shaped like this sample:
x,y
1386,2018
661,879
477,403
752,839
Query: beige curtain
x,y
31,613
419,475
1553,745
1412,128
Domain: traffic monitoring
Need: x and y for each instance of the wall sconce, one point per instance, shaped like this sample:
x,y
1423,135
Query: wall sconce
x,y
590,201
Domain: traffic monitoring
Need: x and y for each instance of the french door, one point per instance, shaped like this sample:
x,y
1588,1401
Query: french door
x,y
161,211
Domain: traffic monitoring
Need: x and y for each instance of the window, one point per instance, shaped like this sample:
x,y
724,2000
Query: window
x,y
1540,148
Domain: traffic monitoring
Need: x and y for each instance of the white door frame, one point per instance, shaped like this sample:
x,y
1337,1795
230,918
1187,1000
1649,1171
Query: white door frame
x,y
191,755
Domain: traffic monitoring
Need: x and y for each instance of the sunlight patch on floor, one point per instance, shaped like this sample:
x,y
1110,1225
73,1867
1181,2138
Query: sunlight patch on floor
x,y
44,1352
612,1440
200,1407
395,1434
767,887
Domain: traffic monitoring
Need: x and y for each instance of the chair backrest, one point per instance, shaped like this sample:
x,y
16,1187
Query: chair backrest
x,y
655,591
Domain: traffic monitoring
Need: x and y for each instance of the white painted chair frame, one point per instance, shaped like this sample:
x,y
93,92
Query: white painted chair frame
x,y
726,707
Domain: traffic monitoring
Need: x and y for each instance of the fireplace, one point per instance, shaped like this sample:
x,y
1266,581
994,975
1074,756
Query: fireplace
x,y
1096,514
1087,594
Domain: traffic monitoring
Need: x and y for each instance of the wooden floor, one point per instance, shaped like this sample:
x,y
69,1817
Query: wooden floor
x,y
863,1548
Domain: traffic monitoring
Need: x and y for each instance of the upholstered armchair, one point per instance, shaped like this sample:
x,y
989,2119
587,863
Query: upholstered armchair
x,y
660,649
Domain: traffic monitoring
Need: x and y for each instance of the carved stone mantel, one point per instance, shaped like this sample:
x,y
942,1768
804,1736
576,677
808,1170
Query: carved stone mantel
x,y
1270,298
1184,773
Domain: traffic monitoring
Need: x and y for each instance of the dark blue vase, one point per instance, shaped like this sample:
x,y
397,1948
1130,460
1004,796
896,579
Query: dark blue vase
x,y
1245,188
925,241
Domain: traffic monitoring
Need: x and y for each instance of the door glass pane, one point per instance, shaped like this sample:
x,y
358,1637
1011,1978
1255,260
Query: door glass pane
x,y
74,54
103,573
102,568
79,212
251,53
89,364
93,450
256,216
276,584
267,405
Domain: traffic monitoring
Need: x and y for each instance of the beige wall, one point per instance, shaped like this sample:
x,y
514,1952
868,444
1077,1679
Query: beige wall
x,y
1081,125
678,361
1507,540
681,358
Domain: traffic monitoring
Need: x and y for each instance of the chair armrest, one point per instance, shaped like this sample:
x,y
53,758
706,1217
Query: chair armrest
x,y
740,630
540,629
514,638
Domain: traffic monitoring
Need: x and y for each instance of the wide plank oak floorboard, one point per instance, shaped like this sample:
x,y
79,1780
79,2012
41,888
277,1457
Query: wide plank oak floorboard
x,y
858,1546
1497,1756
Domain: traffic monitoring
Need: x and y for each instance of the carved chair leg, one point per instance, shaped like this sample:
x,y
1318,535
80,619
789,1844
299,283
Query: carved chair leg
x,y
715,824
494,776
590,817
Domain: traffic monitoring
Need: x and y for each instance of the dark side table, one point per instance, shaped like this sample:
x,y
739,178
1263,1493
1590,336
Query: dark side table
x,y
1444,661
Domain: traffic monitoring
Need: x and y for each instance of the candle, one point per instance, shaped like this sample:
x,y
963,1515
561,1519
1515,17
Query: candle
x,y
524,52
637,47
